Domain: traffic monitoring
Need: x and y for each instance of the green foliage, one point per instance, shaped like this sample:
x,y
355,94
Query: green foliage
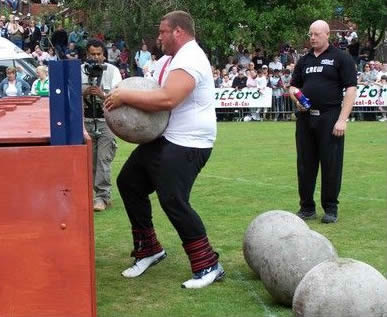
x,y
370,16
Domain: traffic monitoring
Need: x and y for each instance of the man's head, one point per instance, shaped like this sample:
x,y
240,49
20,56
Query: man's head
x,y
144,47
114,47
319,35
176,28
95,50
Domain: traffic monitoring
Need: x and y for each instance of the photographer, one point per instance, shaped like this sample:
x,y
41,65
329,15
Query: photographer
x,y
98,79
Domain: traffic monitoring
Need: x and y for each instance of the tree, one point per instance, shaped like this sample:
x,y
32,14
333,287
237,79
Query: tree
x,y
370,16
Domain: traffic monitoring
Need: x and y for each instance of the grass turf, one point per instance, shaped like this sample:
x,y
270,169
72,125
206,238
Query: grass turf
x,y
252,170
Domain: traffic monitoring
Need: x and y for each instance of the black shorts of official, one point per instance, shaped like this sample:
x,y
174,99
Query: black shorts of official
x,y
170,170
316,145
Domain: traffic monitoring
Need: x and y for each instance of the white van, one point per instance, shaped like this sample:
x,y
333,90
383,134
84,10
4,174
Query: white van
x,y
11,55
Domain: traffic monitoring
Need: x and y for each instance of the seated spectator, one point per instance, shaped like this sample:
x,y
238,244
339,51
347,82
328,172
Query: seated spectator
x,y
240,81
151,64
233,73
13,86
76,36
230,63
265,71
40,86
124,58
217,78
72,52
114,55
342,42
41,56
244,59
276,64
14,4
367,77
252,80
226,82
383,72
15,31
52,56
3,29
124,73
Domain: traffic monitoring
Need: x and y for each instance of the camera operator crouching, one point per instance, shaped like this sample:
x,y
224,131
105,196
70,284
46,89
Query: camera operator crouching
x,y
98,79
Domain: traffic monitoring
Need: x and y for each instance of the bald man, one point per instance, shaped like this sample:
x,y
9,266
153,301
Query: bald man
x,y
322,75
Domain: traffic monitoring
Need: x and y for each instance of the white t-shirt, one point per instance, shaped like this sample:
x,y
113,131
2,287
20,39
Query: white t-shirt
x,y
110,79
11,90
192,122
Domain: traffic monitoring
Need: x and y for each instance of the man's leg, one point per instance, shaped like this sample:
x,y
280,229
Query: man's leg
x,y
179,167
106,151
331,156
135,184
307,165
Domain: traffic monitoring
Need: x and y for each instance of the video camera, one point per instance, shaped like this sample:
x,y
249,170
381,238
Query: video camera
x,y
93,69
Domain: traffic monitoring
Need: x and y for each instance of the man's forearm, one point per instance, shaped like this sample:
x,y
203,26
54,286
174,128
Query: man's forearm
x,y
348,101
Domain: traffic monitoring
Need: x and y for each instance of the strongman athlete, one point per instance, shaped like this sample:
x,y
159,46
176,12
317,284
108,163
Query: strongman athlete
x,y
169,165
322,75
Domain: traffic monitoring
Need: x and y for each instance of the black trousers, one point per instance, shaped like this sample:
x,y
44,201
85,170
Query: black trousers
x,y
317,145
170,170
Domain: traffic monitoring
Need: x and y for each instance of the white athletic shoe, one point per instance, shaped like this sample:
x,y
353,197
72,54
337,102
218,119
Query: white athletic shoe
x,y
205,277
141,265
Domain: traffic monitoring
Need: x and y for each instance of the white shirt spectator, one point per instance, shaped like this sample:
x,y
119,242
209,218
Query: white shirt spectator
x,y
276,64
113,55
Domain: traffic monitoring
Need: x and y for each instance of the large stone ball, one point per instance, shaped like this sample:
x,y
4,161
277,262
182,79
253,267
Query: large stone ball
x,y
287,259
135,125
341,288
260,232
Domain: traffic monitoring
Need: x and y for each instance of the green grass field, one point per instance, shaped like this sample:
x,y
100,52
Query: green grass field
x,y
252,170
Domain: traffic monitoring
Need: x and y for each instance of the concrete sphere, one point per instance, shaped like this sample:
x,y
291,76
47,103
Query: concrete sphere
x,y
260,232
134,125
287,259
341,288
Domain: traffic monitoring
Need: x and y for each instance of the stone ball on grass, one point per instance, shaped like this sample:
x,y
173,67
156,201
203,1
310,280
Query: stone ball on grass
x,y
261,231
341,288
288,258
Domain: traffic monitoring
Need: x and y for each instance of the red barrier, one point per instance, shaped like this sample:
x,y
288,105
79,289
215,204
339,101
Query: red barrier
x,y
46,220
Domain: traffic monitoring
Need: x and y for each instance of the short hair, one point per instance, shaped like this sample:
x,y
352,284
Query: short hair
x,y
42,68
95,43
11,69
181,19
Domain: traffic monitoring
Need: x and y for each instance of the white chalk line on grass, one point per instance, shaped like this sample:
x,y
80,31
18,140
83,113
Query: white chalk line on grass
x,y
258,183
255,295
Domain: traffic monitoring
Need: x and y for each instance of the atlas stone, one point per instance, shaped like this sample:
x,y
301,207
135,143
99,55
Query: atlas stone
x,y
341,288
266,226
135,125
287,259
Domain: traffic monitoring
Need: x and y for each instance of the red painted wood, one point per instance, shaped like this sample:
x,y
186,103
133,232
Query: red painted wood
x,y
46,232
47,266
26,125
8,107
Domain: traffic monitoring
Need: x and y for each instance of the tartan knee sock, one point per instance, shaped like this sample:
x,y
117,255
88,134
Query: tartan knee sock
x,y
145,243
200,254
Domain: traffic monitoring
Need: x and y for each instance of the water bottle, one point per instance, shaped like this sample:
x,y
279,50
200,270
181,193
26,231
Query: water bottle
x,y
304,101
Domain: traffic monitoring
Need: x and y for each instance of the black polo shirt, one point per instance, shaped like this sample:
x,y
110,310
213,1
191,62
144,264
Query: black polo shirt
x,y
323,78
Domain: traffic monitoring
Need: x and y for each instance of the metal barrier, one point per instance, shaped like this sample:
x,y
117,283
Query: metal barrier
x,y
283,107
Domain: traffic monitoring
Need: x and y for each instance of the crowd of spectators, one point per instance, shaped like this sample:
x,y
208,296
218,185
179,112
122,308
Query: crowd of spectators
x,y
247,67
257,70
